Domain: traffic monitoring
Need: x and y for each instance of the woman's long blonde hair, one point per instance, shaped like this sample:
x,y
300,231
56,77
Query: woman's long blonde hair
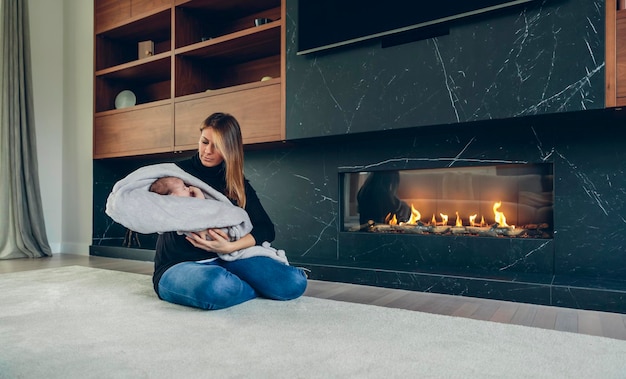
x,y
227,134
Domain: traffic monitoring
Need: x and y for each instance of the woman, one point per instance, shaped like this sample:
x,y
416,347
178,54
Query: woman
x,y
378,198
186,272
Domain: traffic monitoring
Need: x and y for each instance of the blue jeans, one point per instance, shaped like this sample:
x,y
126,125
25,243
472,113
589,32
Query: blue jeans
x,y
220,284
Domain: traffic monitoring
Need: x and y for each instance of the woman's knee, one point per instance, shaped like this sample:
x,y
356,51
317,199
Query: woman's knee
x,y
292,287
205,288
225,290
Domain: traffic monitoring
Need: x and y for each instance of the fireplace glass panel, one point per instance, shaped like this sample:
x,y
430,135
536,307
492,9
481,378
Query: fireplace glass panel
x,y
491,201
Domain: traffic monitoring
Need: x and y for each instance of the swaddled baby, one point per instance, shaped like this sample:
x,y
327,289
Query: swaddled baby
x,y
171,185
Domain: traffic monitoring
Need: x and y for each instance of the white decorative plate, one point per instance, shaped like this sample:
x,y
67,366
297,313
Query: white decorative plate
x,y
125,99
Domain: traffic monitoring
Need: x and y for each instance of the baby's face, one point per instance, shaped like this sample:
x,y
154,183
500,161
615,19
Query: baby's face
x,y
179,188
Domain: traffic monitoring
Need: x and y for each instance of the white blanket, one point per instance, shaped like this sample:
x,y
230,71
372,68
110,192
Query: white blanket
x,y
131,204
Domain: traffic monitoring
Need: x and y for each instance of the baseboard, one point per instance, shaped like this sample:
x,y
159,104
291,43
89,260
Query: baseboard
x,y
559,291
122,253
74,248
55,247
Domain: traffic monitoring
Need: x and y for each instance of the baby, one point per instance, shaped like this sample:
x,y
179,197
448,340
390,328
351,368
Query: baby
x,y
171,185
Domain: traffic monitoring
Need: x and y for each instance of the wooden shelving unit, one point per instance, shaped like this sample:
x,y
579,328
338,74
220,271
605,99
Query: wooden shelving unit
x,y
615,55
208,56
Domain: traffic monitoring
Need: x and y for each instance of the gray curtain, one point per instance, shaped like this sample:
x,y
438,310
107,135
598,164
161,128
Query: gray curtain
x,y
22,229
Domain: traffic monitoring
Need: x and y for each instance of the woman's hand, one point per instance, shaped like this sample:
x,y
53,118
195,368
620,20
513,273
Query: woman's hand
x,y
217,241
214,240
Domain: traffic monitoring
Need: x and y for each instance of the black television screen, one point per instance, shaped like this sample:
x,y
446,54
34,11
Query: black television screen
x,y
324,24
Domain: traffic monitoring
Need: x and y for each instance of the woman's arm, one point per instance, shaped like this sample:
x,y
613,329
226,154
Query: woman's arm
x,y
219,242
263,227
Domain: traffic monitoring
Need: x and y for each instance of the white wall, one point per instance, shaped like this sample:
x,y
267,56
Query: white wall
x,y
62,64
46,27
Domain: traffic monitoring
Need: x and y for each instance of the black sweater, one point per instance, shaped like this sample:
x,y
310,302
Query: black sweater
x,y
172,248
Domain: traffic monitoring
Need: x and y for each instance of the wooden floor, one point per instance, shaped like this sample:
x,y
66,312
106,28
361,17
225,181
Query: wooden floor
x,y
612,325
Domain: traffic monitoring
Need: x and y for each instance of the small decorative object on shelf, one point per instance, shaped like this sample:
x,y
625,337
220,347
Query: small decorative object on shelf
x,y
261,21
125,99
266,78
146,49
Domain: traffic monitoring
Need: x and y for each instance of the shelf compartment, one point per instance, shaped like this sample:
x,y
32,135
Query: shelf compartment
x,y
111,14
257,110
149,79
116,133
239,58
121,45
199,20
252,42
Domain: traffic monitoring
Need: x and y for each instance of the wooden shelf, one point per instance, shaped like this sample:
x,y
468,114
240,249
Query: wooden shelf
x,y
121,19
232,60
133,131
149,79
231,6
620,54
257,109
114,112
199,45
120,45
615,56
156,67
248,44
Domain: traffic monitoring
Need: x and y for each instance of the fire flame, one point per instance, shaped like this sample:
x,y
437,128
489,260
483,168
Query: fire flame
x,y
444,219
391,219
472,220
500,219
415,216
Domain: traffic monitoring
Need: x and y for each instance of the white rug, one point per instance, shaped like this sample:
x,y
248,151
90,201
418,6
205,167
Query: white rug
x,y
78,322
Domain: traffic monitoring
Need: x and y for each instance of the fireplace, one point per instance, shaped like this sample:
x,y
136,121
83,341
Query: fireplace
x,y
500,201
491,221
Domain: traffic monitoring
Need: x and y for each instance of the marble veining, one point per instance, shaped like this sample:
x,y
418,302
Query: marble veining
x,y
541,58
521,259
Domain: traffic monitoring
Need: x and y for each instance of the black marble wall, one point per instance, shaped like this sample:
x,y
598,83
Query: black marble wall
x,y
299,186
583,266
523,85
540,58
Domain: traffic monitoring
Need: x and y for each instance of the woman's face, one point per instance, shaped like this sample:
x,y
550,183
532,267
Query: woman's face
x,y
210,156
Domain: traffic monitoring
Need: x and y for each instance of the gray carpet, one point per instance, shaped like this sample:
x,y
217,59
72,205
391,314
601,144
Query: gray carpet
x,y
77,322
